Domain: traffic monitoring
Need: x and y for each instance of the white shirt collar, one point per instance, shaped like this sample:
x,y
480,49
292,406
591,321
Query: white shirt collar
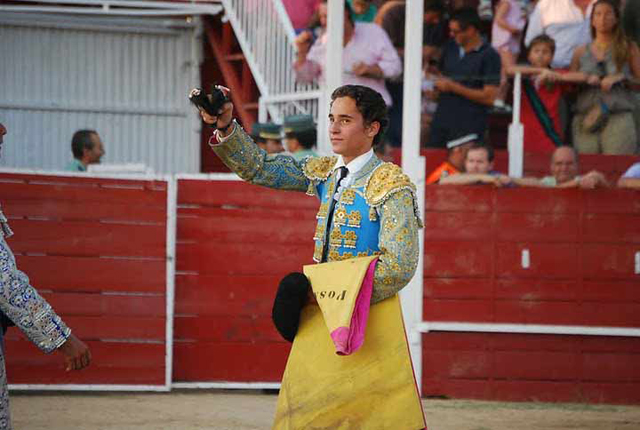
x,y
356,164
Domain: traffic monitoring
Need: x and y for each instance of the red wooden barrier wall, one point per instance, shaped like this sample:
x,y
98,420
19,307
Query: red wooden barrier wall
x,y
582,246
89,243
235,242
96,250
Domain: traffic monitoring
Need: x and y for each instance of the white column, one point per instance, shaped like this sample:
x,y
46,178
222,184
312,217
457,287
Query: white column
x,y
414,166
333,65
516,132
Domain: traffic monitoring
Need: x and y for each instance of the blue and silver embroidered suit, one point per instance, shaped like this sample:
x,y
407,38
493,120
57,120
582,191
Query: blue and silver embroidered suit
x,y
29,312
376,214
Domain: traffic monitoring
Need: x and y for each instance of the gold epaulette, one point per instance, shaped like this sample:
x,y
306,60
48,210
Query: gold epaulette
x,y
386,180
319,168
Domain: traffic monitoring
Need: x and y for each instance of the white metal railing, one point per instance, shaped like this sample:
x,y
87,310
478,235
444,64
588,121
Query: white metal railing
x,y
266,36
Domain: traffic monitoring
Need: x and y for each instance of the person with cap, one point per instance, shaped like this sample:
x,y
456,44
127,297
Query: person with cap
x,y
270,137
300,136
478,169
456,155
87,148
21,305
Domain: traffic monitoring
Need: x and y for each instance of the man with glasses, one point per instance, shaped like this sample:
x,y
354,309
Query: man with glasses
x,y
469,82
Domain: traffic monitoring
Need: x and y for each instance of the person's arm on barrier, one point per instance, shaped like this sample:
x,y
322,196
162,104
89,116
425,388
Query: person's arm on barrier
x,y
33,315
238,152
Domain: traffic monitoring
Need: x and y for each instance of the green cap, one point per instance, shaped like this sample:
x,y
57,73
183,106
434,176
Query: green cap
x,y
255,130
270,130
298,123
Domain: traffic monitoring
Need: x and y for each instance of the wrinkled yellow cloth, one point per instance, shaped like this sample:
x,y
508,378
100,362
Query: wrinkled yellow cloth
x,y
343,292
373,388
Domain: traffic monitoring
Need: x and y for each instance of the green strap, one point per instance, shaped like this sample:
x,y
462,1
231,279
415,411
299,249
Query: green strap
x,y
541,113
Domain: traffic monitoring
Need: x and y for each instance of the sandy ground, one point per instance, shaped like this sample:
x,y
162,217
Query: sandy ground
x,y
248,410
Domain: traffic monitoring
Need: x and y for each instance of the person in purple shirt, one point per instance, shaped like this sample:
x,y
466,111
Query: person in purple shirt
x,y
368,57
631,178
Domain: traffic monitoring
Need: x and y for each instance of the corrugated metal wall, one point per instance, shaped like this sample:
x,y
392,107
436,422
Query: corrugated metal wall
x,y
127,79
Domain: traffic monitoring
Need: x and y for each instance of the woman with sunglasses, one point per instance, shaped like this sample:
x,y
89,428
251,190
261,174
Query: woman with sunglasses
x,y
604,122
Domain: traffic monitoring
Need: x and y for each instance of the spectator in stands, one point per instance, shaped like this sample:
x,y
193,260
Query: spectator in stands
x,y
565,21
391,18
631,178
478,166
631,20
564,173
430,60
456,155
604,122
363,10
21,305
300,12
469,82
269,137
318,23
505,38
631,24
87,148
368,57
542,96
3,131
300,136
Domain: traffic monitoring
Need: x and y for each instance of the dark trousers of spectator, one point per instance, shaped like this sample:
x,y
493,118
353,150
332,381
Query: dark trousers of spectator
x,y
394,132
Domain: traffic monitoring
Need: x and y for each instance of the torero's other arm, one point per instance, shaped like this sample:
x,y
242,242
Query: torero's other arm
x,y
34,316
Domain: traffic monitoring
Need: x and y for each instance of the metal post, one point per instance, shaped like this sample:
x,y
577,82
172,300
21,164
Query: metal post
x,y
414,166
516,132
332,64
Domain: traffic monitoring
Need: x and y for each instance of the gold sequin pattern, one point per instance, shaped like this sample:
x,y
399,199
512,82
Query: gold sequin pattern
x,y
350,239
335,238
319,168
348,196
354,219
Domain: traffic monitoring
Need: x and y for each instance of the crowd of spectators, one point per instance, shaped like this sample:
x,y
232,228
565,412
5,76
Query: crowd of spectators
x,y
579,60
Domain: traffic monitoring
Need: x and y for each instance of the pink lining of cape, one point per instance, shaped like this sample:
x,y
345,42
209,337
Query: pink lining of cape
x,y
348,339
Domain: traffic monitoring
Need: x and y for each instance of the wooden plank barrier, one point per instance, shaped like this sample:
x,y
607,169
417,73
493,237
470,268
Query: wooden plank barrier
x,y
96,249
235,241
581,248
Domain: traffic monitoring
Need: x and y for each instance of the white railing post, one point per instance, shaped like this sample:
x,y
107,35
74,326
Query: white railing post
x,y
516,132
414,166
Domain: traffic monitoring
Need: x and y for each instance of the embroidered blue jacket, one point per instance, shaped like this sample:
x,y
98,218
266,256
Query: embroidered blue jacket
x,y
376,214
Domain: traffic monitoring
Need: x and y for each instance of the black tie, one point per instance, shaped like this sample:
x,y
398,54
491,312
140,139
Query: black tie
x,y
341,173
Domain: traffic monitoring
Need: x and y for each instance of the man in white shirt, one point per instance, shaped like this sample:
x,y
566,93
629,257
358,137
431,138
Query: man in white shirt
x,y
565,21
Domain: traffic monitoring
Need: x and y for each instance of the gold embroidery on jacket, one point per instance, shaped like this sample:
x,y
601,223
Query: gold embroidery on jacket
x,y
350,239
320,232
340,216
323,210
354,218
335,238
348,196
319,168
317,251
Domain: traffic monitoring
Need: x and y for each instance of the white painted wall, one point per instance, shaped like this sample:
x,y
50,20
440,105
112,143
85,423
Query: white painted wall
x,y
127,78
